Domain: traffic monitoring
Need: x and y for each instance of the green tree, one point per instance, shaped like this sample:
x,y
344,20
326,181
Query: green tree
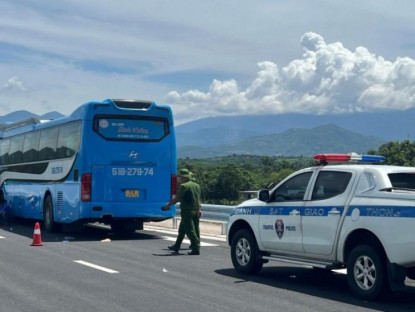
x,y
397,153
231,179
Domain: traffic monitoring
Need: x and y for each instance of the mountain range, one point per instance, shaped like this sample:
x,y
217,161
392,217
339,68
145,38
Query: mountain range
x,y
293,134
23,114
281,134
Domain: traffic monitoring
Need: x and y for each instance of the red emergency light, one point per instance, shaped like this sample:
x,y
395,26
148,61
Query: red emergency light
x,y
352,157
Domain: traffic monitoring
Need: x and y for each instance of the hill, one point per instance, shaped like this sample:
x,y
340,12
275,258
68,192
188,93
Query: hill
x,y
328,138
391,125
23,114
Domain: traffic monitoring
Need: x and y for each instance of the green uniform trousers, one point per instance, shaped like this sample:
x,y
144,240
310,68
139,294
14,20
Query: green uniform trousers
x,y
189,228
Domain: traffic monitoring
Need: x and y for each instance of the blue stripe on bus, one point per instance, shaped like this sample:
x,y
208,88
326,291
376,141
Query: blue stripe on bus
x,y
323,211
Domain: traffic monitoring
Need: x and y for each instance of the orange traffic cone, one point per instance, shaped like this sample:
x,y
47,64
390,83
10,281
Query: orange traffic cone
x,y
37,239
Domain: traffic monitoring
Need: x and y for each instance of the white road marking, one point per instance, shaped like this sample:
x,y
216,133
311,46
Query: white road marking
x,y
2,237
186,241
341,271
94,266
220,238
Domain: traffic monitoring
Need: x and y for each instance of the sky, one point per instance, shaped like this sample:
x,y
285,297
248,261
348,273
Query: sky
x,y
209,58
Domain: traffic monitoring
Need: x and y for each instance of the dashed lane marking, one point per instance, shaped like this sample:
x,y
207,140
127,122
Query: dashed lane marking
x,y
94,266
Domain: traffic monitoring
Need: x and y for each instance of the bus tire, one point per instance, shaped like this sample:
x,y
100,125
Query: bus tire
x,y
120,227
48,217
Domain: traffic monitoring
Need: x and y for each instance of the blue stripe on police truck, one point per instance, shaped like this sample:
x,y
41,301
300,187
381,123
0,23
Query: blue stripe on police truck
x,y
286,210
384,211
323,211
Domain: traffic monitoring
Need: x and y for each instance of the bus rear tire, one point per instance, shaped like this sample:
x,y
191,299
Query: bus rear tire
x,y
124,226
48,217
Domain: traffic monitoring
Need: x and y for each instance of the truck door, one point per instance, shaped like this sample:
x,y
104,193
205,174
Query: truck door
x,y
280,219
323,212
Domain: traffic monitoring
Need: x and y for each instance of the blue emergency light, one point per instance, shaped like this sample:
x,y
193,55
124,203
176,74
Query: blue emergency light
x,y
352,157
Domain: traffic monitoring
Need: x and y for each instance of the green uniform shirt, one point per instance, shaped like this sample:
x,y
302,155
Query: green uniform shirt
x,y
189,196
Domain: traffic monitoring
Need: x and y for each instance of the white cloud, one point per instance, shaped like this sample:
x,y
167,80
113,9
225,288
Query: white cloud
x,y
329,78
14,83
75,51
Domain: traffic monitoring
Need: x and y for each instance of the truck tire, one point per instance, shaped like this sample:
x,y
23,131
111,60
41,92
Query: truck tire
x,y
366,272
244,253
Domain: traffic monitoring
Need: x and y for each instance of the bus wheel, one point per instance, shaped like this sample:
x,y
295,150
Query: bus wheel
x,y
123,226
48,218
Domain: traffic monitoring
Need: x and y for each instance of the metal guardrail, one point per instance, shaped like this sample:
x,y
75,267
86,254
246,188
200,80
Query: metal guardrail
x,y
211,213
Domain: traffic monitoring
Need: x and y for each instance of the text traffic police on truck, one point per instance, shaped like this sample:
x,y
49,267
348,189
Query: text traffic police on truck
x,y
360,216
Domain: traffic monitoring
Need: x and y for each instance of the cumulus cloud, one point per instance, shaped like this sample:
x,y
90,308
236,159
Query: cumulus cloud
x,y
329,78
14,83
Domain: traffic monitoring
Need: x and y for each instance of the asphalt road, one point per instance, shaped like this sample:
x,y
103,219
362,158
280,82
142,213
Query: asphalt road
x,y
98,271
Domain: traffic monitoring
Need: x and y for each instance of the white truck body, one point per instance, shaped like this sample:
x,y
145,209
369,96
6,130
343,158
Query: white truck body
x,y
324,216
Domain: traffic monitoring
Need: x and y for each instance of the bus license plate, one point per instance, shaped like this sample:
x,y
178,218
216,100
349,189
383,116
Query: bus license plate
x,y
132,193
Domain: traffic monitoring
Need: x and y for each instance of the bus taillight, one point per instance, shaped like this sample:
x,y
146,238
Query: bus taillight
x,y
173,185
86,187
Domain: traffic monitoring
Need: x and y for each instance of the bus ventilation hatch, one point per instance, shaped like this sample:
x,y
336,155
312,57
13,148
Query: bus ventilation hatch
x,y
131,104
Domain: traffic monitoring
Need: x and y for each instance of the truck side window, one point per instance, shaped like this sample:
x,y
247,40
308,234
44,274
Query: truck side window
x,y
330,184
293,189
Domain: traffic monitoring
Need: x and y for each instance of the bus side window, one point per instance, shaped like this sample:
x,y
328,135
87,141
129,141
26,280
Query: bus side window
x,y
16,149
47,143
31,147
4,151
68,140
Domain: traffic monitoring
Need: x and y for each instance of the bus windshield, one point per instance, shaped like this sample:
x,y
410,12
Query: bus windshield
x,y
135,128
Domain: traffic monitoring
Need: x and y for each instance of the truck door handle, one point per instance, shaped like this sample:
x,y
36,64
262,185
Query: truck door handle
x,y
334,211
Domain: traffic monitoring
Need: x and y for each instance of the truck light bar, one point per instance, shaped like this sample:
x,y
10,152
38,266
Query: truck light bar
x,y
352,157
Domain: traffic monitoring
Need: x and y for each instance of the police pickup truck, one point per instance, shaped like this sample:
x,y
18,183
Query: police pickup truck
x,y
358,216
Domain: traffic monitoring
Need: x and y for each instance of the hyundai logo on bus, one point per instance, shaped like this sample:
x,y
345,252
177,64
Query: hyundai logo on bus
x,y
133,155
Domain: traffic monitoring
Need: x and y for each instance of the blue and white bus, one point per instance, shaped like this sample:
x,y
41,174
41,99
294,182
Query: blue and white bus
x,y
112,162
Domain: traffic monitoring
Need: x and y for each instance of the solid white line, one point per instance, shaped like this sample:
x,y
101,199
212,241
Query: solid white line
x,y
220,238
186,241
2,237
94,266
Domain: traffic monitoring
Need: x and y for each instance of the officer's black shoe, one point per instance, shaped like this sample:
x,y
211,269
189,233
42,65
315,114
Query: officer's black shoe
x,y
194,253
173,248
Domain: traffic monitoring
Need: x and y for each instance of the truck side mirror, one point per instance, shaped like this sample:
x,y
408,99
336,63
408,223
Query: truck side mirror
x,y
263,195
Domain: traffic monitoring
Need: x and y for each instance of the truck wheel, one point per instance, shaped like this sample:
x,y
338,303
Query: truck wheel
x,y
48,218
244,253
366,272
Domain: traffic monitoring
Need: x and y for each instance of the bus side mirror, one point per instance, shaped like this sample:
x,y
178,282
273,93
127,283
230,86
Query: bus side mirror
x,y
263,195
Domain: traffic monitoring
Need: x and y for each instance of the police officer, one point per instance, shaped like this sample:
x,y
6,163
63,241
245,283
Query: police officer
x,y
188,195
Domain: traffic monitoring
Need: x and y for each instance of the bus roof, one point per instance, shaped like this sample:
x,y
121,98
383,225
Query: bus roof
x,y
87,111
